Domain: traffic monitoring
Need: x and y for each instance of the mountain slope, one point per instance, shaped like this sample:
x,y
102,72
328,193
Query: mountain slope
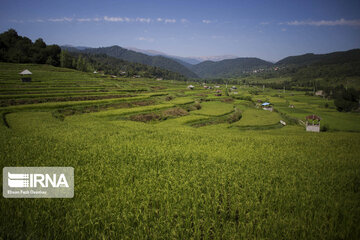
x,y
132,56
186,61
228,67
322,59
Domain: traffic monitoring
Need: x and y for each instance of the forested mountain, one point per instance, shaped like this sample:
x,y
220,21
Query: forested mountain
x,y
18,49
229,67
109,65
322,59
132,56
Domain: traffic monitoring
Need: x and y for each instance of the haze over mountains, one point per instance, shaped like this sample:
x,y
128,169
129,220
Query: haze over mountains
x,y
194,68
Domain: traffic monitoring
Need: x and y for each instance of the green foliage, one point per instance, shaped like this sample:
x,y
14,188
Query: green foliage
x,y
17,49
236,116
346,99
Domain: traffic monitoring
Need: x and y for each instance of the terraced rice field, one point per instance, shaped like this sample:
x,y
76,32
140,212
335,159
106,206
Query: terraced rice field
x,y
168,178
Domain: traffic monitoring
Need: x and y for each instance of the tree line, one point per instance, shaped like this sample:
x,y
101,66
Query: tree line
x,y
18,49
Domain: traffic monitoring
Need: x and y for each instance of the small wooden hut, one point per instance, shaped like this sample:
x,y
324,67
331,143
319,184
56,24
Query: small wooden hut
x,y
313,123
25,76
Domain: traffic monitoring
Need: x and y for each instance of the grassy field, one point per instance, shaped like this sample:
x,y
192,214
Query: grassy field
x,y
165,179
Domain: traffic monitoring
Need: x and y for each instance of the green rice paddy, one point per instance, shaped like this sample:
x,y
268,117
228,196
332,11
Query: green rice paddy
x,y
165,179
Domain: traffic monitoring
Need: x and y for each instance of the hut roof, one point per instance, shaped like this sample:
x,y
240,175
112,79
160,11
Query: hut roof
x,y
313,117
265,104
25,72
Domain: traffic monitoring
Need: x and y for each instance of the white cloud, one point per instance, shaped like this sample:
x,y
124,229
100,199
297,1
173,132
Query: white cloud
x,y
64,19
340,22
264,23
145,39
126,19
283,29
206,21
170,20
113,19
143,20
84,19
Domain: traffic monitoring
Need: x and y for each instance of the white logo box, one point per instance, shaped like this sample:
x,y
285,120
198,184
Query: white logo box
x,y
38,182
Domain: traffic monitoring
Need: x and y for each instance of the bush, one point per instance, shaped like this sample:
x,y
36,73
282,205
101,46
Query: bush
x,y
236,116
169,98
346,100
324,128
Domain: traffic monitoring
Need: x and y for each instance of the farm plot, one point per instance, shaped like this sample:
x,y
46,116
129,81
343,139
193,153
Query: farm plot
x,y
214,108
257,117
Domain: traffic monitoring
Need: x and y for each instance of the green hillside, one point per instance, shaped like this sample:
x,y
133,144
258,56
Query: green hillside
x,y
322,59
132,56
228,67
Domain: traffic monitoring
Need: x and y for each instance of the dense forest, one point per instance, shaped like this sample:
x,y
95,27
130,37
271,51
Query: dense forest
x,y
18,49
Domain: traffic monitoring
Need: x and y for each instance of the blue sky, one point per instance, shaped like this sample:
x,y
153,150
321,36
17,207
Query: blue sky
x,y
266,29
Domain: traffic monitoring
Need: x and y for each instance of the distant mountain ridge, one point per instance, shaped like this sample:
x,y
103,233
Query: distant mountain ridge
x,y
328,58
183,60
190,60
229,67
136,57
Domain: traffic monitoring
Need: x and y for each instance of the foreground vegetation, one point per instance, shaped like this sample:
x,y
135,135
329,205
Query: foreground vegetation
x,y
209,167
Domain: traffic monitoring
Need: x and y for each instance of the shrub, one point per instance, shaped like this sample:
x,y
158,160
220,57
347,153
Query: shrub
x,y
197,106
236,116
169,98
324,128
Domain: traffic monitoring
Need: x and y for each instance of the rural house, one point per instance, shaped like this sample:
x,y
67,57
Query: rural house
x,y
320,93
267,106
